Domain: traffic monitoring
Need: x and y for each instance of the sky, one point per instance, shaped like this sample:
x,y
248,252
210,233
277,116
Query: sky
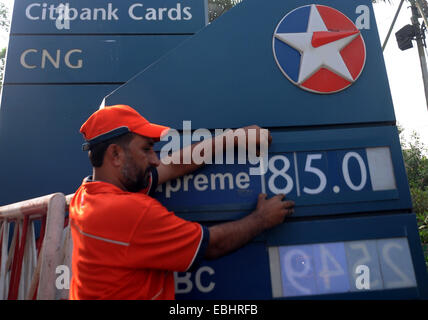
x,y
4,36
404,72
403,69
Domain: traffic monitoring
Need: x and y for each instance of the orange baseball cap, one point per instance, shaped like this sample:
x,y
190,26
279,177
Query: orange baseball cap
x,y
113,121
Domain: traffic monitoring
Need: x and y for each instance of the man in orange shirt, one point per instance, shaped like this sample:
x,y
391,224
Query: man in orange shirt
x,y
126,245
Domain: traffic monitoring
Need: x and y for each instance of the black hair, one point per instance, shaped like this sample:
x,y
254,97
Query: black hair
x,y
97,152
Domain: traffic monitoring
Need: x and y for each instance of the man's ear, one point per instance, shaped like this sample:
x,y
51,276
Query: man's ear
x,y
114,154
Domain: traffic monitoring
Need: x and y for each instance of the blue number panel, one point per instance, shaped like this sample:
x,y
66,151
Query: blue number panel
x,y
100,16
324,268
324,172
339,176
61,59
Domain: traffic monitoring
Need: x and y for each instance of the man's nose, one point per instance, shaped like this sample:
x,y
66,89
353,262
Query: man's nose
x,y
154,160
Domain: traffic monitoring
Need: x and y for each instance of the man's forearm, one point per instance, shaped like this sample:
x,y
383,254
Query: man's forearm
x,y
229,236
189,159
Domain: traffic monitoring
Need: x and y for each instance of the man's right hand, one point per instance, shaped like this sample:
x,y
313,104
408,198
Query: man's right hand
x,y
232,235
273,211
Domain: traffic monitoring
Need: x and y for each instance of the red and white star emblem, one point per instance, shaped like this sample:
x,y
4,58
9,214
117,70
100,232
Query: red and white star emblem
x,y
332,50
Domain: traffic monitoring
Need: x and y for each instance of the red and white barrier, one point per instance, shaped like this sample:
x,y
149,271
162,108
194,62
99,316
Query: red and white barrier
x,y
28,266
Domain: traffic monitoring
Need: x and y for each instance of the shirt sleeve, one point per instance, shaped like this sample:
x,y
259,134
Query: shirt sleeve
x,y
161,240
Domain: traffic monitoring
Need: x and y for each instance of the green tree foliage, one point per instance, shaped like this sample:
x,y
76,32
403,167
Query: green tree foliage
x,y
217,7
4,17
4,27
416,163
2,63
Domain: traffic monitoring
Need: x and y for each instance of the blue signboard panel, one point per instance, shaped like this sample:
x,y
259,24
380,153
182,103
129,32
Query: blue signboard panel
x,y
61,59
100,16
40,138
55,51
243,274
202,190
239,43
324,171
335,152
319,259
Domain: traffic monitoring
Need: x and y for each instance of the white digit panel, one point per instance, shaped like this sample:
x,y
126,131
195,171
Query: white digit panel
x,y
340,267
396,263
363,253
345,171
280,173
331,267
297,271
275,272
381,169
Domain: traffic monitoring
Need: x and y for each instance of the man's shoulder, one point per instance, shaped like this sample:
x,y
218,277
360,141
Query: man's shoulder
x,y
127,200
101,196
111,214
132,200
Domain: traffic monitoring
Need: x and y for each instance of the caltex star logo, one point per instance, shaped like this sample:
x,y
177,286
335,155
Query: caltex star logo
x,y
319,49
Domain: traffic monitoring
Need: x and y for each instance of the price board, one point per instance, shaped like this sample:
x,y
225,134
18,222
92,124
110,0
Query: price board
x,y
313,74
362,258
324,171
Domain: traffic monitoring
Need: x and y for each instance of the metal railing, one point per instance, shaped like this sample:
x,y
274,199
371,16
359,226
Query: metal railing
x,y
28,265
